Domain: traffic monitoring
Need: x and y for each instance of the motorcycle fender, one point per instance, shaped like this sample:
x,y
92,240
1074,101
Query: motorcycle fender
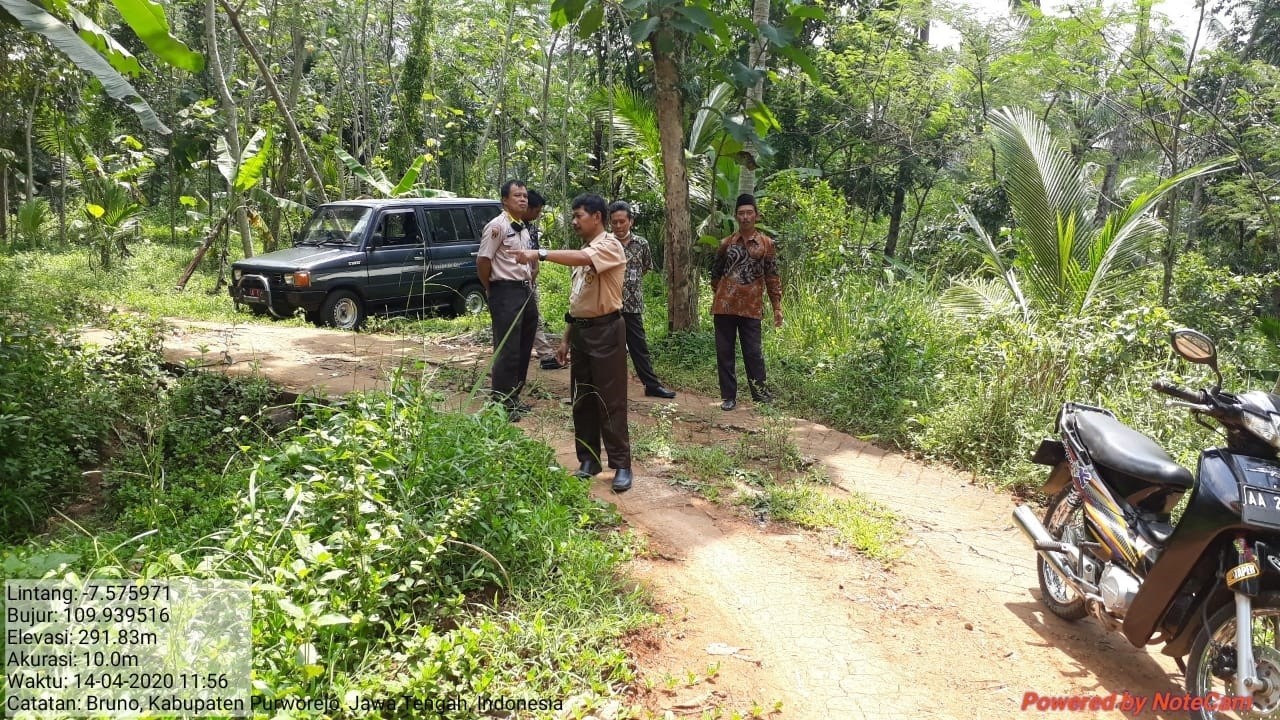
x,y
1059,478
1051,452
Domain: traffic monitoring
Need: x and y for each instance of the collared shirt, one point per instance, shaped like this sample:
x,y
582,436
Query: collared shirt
x,y
596,289
639,261
742,272
498,243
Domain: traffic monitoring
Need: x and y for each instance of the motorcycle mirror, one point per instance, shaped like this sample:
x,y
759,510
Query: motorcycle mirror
x,y
1196,347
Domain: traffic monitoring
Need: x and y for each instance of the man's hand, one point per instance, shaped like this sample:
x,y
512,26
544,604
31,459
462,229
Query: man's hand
x,y
777,319
526,257
562,352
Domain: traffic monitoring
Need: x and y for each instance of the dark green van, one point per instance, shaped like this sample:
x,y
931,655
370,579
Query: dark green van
x,y
358,257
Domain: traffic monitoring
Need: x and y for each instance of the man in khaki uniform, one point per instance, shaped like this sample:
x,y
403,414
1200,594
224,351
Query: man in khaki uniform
x,y
595,341
513,309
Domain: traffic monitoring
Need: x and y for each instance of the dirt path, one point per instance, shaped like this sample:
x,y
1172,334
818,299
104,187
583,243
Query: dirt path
x,y
952,630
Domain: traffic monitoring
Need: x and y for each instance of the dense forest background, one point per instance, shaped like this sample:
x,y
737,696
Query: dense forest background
x,y
969,236
968,231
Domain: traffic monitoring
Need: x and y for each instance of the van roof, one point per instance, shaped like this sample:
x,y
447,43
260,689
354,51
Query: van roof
x,y
384,202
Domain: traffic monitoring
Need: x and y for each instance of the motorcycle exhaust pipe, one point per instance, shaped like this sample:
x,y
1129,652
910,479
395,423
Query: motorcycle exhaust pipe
x,y
1051,550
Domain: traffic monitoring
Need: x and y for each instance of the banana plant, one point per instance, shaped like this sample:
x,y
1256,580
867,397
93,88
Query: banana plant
x,y
377,180
148,22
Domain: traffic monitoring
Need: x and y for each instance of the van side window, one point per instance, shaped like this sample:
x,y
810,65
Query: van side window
x,y
398,228
449,225
484,213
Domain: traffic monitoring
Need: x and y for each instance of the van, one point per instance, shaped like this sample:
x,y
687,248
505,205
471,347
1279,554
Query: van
x,y
358,257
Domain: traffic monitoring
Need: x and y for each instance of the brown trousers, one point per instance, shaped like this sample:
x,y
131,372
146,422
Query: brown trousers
x,y
598,383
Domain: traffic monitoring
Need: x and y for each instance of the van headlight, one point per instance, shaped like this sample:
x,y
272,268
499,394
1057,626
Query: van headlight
x,y
301,278
1264,426
236,274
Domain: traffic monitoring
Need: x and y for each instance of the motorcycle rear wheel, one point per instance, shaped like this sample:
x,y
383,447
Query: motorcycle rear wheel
x,y
1218,635
1065,523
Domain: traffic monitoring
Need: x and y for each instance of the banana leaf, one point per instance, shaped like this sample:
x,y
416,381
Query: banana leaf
x,y
79,52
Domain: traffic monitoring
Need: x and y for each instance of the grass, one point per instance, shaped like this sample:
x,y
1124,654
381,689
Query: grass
x,y
764,472
854,521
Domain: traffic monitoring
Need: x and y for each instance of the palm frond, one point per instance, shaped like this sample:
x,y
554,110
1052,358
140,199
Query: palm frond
x,y
973,299
1048,194
1123,239
709,120
993,258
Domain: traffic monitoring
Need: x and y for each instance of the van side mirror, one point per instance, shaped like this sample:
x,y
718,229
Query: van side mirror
x,y
376,240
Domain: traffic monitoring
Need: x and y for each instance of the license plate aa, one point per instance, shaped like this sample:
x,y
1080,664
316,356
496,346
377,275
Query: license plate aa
x,y
1260,506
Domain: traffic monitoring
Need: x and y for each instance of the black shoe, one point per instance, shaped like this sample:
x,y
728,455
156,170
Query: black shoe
x,y
588,469
552,364
728,404
659,391
622,480
523,408
763,398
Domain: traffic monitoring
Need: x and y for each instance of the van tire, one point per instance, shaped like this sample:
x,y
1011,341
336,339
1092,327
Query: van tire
x,y
470,300
343,309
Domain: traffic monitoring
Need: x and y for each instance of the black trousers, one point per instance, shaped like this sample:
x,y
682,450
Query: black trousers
x,y
729,328
514,312
598,384
638,347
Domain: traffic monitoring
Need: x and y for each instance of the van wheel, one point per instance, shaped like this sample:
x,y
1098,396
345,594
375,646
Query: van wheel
x,y
342,309
470,301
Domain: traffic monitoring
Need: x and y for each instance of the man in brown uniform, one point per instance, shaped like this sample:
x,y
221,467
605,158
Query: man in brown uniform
x,y
513,309
745,267
595,341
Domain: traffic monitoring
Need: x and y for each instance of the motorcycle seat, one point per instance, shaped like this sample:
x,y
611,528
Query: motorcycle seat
x,y
1116,446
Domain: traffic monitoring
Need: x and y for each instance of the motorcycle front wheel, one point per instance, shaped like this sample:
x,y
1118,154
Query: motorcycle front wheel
x,y
1212,665
1065,522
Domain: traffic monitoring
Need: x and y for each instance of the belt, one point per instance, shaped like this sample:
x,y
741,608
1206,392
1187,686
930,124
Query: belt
x,y
521,283
588,322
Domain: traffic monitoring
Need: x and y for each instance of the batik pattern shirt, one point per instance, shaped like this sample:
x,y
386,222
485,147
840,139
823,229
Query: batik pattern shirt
x,y
741,274
639,261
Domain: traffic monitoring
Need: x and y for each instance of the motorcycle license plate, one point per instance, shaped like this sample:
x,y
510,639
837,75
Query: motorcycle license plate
x,y
1260,506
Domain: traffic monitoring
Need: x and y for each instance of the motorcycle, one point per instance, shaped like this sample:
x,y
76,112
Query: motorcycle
x,y
1207,587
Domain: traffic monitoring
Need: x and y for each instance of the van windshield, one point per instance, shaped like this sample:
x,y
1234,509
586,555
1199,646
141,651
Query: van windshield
x,y
338,225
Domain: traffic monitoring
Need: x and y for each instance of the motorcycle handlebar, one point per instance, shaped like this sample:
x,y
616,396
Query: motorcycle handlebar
x,y
1177,391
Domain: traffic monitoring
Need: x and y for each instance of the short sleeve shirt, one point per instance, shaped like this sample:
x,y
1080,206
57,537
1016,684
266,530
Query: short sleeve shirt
x,y
596,289
639,261
498,243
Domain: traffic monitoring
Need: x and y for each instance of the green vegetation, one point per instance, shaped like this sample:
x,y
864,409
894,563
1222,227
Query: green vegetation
x,y
392,548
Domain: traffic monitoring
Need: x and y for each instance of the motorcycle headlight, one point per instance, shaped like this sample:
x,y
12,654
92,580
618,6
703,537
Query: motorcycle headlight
x,y
1266,427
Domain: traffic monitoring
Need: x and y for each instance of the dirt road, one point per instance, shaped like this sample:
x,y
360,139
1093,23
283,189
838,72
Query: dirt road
x,y
952,630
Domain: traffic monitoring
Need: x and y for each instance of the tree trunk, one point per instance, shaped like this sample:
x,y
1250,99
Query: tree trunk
x,y
682,273
407,133
31,158
757,57
499,93
4,203
895,212
233,125
281,106
284,167
1170,246
1107,191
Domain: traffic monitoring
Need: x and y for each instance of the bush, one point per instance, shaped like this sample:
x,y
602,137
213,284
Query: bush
x,y
58,403
377,525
